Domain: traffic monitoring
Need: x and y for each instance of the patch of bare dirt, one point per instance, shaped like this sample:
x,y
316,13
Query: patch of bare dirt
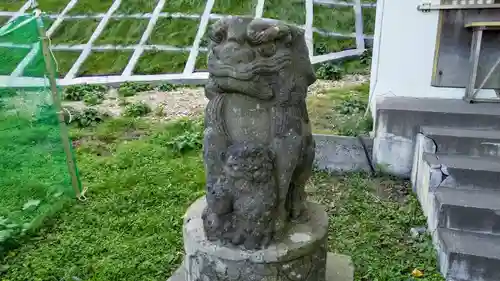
x,y
183,102
391,189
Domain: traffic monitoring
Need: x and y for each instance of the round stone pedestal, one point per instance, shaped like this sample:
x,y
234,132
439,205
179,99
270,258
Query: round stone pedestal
x,y
299,256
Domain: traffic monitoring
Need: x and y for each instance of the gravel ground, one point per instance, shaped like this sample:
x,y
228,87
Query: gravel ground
x,y
348,80
189,102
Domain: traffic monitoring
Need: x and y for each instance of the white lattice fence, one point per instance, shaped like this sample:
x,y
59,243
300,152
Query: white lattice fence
x,y
188,75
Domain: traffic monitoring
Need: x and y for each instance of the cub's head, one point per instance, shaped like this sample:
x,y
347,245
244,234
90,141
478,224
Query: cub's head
x,y
250,162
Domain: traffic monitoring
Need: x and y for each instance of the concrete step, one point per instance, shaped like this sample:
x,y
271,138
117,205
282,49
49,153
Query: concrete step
x,y
399,119
468,210
468,256
466,172
433,171
472,142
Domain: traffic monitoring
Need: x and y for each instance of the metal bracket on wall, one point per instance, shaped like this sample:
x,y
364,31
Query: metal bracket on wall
x,y
456,5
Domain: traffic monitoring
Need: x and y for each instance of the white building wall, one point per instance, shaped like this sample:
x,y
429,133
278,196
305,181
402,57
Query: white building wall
x,y
403,53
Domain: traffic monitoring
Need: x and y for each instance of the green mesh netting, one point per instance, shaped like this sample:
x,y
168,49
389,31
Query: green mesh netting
x,y
36,174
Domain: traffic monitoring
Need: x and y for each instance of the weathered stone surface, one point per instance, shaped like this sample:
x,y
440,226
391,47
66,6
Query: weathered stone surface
x,y
244,199
300,256
255,223
258,146
338,268
342,154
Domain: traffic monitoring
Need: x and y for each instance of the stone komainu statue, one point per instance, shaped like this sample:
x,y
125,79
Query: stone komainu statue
x,y
258,146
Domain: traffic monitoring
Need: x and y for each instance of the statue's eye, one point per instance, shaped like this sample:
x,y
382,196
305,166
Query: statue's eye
x,y
267,50
217,36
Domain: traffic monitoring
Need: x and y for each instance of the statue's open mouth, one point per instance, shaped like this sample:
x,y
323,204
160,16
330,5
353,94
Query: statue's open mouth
x,y
234,85
218,69
247,72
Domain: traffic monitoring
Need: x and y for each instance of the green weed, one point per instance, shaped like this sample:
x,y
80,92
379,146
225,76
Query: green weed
x,y
93,99
191,139
329,71
136,109
78,92
366,57
129,89
166,87
89,117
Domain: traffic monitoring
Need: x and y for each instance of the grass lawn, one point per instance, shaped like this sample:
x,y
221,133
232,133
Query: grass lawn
x,y
3,20
74,32
139,188
11,6
340,111
113,33
181,32
34,178
152,62
65,60
11,58
105,63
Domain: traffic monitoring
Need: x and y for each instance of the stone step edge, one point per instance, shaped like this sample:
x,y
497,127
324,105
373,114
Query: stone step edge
x,y
437,105
463,162
470,243
469,198
430,131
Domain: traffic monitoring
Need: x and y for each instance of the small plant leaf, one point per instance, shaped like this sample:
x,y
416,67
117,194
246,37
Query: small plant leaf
x,y
4,268
5,234
12,225
26,226
31,204
417,273
59,194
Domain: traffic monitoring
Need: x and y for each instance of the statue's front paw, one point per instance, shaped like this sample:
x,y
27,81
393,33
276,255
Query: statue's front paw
x,y
217,200
211,224
237,239
296,212
266,240
253,242
212,89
